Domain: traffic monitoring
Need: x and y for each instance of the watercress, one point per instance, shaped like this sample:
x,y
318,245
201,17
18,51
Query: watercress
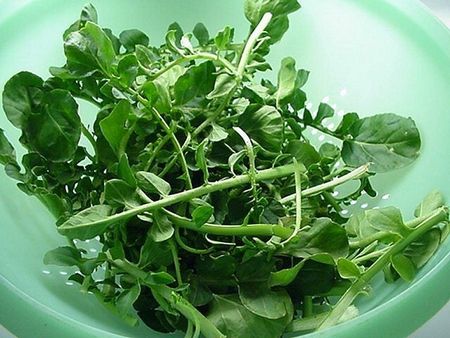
x,y
214,210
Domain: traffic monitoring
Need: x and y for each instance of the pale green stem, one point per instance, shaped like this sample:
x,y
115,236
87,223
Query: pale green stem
x,y
357,173
183,59
248,48
346,300
268,174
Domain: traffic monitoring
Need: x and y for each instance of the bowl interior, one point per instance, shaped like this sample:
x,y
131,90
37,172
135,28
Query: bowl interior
x,y
364,56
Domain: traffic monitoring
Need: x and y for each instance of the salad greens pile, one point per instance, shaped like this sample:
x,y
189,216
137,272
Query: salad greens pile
x,y
215,213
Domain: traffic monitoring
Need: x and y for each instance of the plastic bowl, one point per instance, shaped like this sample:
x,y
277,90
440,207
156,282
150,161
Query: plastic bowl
x,y
365,56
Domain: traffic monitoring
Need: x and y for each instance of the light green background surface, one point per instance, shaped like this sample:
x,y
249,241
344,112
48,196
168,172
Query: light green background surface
x,y
365,56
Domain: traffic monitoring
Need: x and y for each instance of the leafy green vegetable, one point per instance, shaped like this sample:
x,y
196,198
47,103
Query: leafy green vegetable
x,y
215,211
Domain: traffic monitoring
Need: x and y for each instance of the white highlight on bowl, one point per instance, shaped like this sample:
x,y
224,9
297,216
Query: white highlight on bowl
x,y
335,193
69,283
326,99
63,273
386,197
364,205
46,272
93,250
321,138
344,212
314,132
343,92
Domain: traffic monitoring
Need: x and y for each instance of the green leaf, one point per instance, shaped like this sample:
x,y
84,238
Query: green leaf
x,y
54,131
421,250
201,34
55,204
264,125
114,126
220,266
302,78
304,153
63,256
197,81
324,236
255,9
7,152
346,124
88,14
325,111
387,141
75,227
89,49
128,69
404,267
21,97
120,193
277,27
202,214
287,77
347,269
313,279
150,182
260,300
224,84
387,223
200,159
132,37
434,200
124,171
158,95
154,253
125,301
218,133
224,38
199,294
162,229
285,277
229,315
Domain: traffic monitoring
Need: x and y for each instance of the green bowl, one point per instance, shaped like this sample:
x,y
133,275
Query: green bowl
x,y
365,56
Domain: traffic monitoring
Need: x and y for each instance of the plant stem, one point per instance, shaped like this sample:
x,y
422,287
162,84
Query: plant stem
x,y
358,172
268,174
369,239
200,55
231,230
298,201
160,145
216,113
91,140
186,247
174,159
248,48
253,38
307,306
169,131
375,254
346,300
177,301
189,311
176,261
332,201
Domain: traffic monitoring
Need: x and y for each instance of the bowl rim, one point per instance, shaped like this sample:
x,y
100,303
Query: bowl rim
x,y
415,12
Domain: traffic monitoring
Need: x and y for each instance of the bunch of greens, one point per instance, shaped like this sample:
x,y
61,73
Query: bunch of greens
x,y
214,211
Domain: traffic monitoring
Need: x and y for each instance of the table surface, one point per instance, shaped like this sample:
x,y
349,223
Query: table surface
x,y
438,326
